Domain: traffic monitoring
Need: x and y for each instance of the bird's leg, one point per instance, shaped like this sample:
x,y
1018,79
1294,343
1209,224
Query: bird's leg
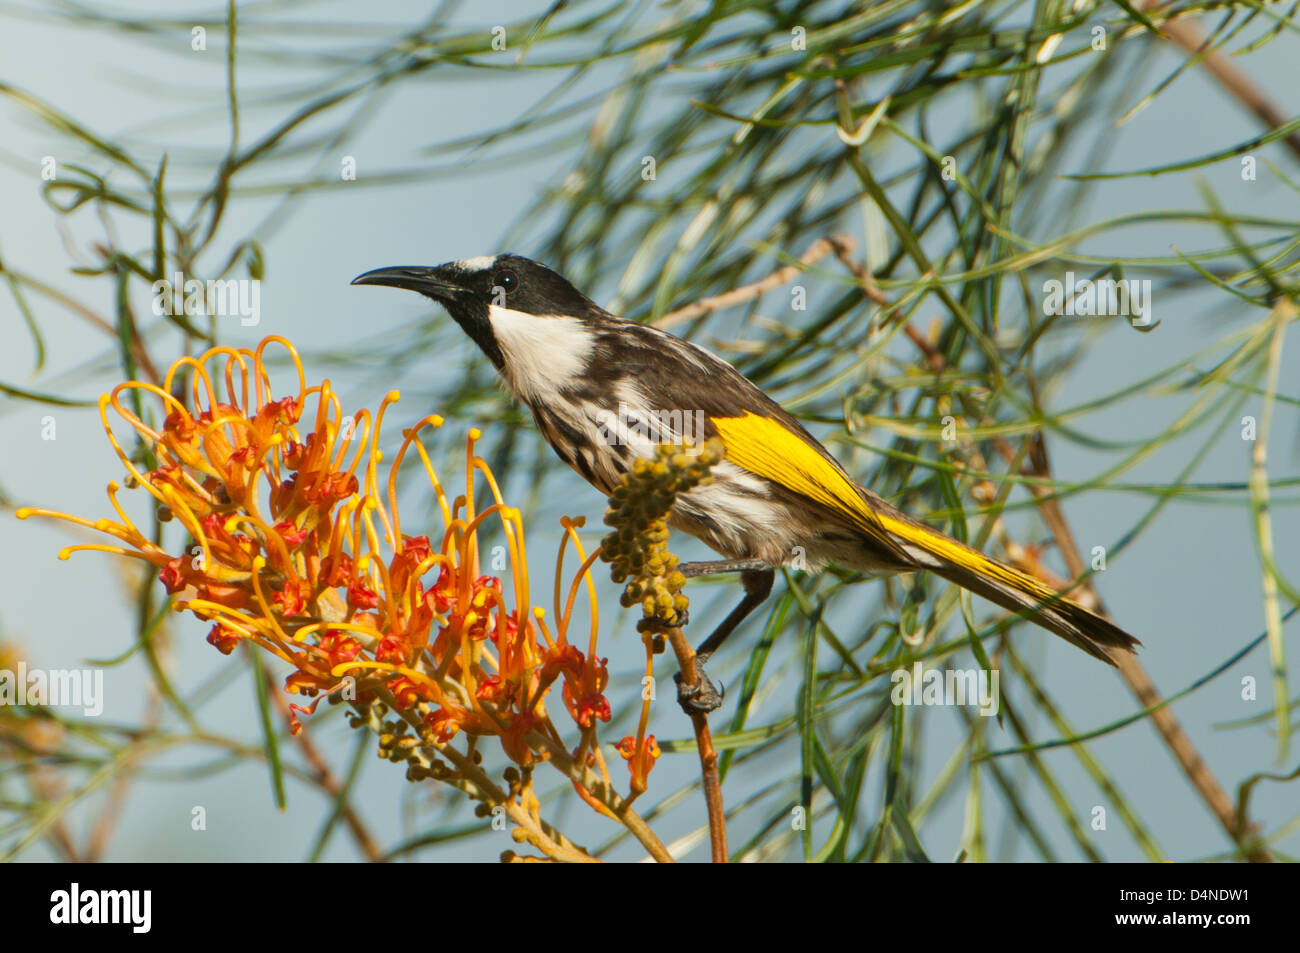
x,y
757,578
715,566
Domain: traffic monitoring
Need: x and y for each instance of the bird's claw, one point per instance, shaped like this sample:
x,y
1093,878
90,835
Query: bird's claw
x,y
701,696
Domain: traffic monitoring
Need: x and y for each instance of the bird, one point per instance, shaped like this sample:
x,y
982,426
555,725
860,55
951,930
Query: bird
x,y
605,390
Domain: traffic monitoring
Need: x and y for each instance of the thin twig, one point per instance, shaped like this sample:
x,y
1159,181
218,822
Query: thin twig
x,y
816,251
889,311
708,755
1237,83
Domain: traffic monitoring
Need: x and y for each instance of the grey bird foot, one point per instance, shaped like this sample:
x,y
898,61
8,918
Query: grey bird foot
x,y
701,697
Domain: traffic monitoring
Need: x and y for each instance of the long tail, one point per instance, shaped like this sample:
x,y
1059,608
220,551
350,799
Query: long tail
x,y
1011,589
773,445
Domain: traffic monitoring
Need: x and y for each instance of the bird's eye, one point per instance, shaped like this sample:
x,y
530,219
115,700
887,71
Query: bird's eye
x,y
506,280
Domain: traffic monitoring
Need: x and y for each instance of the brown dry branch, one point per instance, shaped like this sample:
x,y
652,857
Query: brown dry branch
x,y
708,754
815,253
1189,37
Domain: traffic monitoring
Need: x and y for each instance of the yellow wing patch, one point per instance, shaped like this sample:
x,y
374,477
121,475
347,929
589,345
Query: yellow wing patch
x,y
766,448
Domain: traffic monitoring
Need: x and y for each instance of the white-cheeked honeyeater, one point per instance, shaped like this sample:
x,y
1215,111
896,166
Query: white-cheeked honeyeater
x,y
604,391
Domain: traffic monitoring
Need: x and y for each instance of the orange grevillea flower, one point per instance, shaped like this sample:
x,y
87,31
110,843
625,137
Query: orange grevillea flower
x,y
640,757
296,547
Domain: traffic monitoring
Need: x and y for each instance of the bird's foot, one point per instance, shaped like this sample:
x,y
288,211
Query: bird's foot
x,y
701,696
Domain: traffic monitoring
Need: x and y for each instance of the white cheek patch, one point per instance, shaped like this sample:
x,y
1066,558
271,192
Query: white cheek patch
x,y
542,352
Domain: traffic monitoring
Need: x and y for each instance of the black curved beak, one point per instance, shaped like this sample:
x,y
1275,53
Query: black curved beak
x,y
427,281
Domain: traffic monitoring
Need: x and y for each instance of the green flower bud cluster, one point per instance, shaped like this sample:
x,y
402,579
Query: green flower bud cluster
x,y
637,549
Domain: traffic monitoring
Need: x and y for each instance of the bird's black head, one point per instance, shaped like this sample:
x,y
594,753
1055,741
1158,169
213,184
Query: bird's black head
x,y
471,287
